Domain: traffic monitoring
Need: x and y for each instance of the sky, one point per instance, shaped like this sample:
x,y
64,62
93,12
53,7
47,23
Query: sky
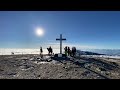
x,y
83,29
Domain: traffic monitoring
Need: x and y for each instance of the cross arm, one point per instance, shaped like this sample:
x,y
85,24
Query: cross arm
x,y
60,39
57,39
63,39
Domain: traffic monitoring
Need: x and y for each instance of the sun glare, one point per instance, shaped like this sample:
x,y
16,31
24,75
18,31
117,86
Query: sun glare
x,y
39,32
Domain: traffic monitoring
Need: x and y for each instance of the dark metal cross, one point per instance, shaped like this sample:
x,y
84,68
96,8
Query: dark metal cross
x,y
61,39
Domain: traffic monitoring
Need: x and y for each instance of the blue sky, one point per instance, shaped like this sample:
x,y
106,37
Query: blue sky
x,y
84,29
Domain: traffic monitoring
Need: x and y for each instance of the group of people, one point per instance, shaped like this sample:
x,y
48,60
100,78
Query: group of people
x,y
50,50
69,52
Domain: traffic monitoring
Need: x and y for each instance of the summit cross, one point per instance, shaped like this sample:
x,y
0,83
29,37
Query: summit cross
x,y
61,39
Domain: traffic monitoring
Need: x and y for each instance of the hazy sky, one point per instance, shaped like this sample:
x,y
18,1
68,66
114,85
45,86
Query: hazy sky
x,y
84,29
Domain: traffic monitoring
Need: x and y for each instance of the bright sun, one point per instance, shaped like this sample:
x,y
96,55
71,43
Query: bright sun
x,y
39,32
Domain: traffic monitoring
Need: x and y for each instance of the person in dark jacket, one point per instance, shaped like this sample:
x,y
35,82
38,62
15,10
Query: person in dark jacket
x,y
68,51
73,51
41,52
51,50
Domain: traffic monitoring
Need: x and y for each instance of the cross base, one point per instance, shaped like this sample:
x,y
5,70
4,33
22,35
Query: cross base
x,y
60,57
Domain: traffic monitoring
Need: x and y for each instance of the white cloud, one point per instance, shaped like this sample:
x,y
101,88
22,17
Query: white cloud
x,y
57,46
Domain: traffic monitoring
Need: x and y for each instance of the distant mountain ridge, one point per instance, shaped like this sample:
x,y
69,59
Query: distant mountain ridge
x,y
87,53
102,51
107,51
